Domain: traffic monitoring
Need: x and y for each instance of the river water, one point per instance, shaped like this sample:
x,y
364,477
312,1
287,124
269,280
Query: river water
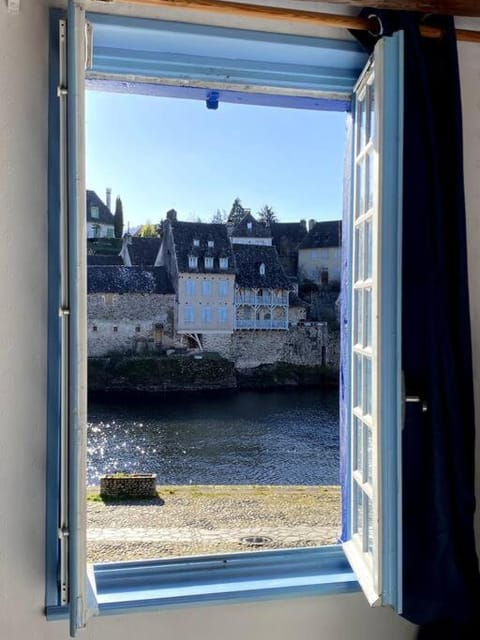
x,y
241,437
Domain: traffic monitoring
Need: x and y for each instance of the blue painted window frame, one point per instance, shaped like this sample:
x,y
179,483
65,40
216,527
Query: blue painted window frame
x,y
149,585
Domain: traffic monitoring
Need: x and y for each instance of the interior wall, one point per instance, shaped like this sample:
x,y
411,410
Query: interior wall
x,y
23,369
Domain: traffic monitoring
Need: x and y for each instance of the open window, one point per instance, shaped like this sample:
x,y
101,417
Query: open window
x,y
293,71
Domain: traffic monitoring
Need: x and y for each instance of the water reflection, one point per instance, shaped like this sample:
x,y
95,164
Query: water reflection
x,y
247,437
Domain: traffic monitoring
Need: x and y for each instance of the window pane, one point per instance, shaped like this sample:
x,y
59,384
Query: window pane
x,y
371,112
362,121
369,524
360,188
368,249
368,454
367,386
357,380
370,175
358,317
358,498
357,444
359,258
367,317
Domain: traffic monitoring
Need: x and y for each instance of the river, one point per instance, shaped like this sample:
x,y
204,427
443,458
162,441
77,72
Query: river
x,y
242,437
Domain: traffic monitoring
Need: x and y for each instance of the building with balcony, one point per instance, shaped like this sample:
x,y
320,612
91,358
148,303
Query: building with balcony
x,y
261,288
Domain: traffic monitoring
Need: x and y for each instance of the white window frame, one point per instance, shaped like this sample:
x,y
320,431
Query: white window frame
x,y
208,262
332,564
223,263
193,262
94,212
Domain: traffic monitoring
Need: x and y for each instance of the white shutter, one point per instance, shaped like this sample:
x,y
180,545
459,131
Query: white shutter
x,y
374,545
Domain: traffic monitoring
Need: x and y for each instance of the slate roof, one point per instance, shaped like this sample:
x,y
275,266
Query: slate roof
x,y
128,280
105,216
286,236
249,257
104,261
258,230
143,251
322,235
184,233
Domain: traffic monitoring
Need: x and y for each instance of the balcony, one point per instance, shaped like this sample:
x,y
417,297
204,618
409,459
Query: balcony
x,y
261,324
261,300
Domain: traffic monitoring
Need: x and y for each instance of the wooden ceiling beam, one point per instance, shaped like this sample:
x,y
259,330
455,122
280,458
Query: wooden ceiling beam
x,y
469,8
226,7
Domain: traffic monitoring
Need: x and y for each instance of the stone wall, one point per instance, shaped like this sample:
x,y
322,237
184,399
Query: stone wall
x,y
306,345
129,322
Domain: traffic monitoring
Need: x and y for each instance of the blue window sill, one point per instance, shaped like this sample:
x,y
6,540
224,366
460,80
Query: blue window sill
x,y
148,585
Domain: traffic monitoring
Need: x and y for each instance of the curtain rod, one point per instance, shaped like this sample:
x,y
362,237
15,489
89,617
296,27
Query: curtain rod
x,y
291,15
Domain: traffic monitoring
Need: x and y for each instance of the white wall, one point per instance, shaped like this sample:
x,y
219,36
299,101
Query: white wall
x,y
23,367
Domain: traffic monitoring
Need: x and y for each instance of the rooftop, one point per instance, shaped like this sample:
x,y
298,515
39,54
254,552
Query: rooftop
x,y
119,279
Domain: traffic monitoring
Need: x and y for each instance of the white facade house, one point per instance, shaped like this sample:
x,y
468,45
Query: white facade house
x,y
100,220
24,330
320,253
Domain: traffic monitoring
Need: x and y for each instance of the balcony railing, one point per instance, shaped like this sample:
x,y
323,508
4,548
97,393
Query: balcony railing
x,y
261,324
259,300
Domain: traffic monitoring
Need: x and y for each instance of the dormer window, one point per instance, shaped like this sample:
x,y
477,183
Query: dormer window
x,y
211,243
94,212
208,263
192,262
196,242
249,226
223,263
261,269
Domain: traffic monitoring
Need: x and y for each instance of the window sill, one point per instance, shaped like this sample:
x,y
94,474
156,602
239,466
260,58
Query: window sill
x,y
142,586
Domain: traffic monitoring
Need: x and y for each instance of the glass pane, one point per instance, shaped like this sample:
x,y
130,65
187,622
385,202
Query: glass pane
x,y
368,454
357,444
359,257
370,171
369,524
358,317
358,498
362,123
360,188
357,381
371,112
367,386
368,249
367,317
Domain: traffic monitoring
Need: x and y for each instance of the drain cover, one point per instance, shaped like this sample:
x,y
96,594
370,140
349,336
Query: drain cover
x,y
256,541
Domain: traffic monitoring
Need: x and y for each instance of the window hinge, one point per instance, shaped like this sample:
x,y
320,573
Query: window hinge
x,y
63,532
13,6
63,312
61,92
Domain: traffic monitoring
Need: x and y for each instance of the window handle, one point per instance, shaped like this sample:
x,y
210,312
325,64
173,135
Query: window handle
x,y
417,399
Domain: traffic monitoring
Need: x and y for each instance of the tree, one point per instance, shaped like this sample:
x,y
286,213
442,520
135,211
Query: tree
x,y
148,230
219,217
267,215
118,218
236,212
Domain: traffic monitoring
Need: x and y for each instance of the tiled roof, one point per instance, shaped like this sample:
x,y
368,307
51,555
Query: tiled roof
x,y
323,234
184,233
128,280
99,261
143,251
286,236
249,257
258,229
105,216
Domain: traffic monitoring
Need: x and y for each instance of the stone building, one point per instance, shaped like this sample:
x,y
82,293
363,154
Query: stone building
x,y
130,309
100,220
286,238
320,253
199,260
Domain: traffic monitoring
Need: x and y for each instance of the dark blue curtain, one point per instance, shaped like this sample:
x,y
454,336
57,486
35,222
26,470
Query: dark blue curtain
x,y
440,567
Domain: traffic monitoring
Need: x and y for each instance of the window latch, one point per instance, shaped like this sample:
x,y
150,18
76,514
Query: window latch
x,y
63,532
417,399
62,92
63,312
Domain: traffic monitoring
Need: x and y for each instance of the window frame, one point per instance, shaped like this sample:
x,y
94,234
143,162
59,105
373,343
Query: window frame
x,y
301,572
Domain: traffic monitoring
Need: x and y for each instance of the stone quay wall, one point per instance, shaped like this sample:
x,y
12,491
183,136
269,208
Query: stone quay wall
x,y
309,344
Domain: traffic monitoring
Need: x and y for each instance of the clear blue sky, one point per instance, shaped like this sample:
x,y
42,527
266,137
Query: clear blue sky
x,y
159,153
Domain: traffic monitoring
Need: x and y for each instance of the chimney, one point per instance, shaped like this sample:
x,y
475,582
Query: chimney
x,y
304,224
108,199
172,215
311,224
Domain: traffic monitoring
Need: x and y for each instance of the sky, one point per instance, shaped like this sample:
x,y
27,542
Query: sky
x,y
168,153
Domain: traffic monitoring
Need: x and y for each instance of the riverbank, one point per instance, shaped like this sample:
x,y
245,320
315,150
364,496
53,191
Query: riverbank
x,y
206,519
152,375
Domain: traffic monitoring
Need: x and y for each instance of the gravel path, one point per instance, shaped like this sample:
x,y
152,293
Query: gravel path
x,y
196,520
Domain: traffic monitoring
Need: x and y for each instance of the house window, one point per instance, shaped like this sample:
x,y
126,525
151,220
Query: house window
x,y
222,315
190,287
261,269
249,226
207,315
223,263
94,212
196,242
207,287
115,329
208,263
210,243
189,315
110,232
94,328
223,288
324,276
192,262
138,329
